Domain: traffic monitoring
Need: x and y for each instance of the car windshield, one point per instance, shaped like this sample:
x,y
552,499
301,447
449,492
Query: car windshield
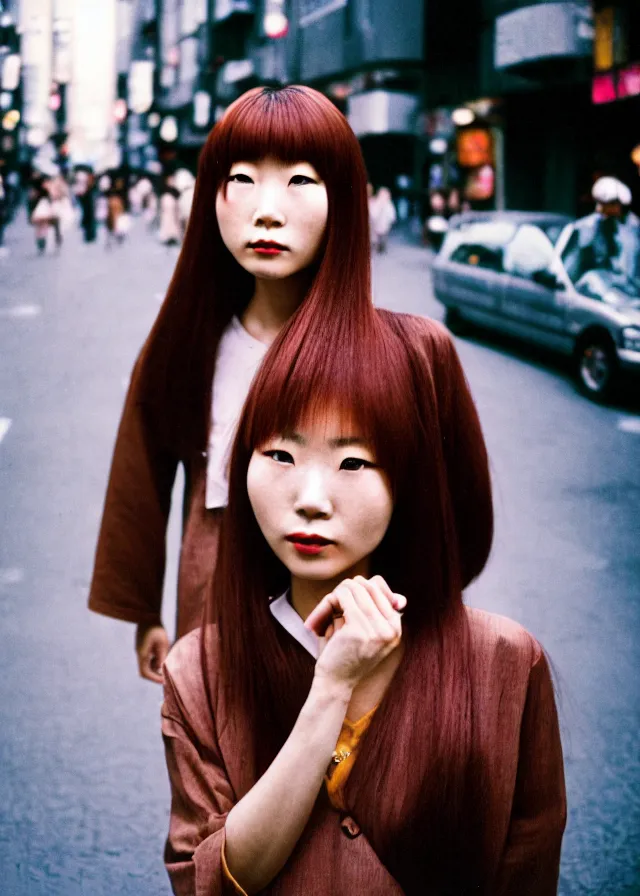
x,y
610,287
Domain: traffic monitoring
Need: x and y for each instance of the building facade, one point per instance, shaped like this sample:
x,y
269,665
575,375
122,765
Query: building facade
x,y
491,103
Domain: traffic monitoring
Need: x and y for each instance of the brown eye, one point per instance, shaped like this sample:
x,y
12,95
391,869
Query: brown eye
x,y
239,179
355,464
281,457
298,180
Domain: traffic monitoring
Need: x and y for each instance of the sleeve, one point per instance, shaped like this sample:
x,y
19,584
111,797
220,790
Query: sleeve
x,y
130,555
531,861
201,799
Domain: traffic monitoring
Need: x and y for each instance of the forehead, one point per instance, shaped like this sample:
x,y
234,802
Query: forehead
x,y
271,161
330,425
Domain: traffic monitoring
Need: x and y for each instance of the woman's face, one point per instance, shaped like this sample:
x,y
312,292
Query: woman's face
x,y
320,499
270,202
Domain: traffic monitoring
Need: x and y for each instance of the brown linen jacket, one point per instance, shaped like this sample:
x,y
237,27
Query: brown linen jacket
x,y
520,740
130,556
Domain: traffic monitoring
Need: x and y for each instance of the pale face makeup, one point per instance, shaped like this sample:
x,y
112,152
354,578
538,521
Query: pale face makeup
x,y
323,506
269,202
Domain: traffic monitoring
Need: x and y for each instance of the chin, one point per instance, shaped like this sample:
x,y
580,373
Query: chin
x,y
319,571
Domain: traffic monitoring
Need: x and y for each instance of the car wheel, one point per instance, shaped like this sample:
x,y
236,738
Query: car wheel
x,y
455,322
596,367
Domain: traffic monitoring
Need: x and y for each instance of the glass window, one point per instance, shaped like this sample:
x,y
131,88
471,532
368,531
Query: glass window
x,y
529,251
480,256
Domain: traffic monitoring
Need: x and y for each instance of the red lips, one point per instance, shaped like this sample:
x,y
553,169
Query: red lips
x,y
308,544
268,245
308,538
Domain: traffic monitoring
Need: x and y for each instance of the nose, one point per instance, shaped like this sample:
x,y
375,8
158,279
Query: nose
x,y
313,500
268,212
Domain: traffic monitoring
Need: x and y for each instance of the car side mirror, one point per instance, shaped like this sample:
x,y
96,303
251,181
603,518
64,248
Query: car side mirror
x,y
546,278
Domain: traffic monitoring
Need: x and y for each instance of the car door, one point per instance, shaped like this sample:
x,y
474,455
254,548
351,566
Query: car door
x,y
475,276
532,303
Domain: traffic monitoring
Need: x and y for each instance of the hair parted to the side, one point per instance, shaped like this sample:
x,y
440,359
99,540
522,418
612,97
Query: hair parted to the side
x,y
208,287
398,379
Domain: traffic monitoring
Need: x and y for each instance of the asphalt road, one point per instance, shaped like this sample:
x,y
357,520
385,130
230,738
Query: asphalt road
x,y
83,788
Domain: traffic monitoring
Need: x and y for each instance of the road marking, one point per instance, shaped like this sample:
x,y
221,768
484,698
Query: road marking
x,y
5,425
629,424
21,311
11,576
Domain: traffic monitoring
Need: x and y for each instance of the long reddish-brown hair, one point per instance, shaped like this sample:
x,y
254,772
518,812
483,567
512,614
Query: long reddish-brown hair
x,y
175,370
416,788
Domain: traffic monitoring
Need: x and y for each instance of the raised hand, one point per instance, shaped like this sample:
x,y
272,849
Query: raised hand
x,y
361,622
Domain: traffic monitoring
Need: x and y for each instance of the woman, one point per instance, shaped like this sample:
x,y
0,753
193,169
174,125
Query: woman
x,y
282,166
118,221
41,214
169,232
383,217
358,752
87,200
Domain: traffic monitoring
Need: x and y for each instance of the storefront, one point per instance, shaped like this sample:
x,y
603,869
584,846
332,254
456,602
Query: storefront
x,y
615,95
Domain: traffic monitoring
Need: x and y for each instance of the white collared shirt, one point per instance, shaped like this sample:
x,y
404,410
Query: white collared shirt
x,y
239,357
289,619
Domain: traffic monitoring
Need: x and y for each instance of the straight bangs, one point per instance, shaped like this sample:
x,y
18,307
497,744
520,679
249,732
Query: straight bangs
x,y
371,395
292,124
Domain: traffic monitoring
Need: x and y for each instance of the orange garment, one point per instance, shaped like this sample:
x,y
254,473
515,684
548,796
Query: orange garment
x,y
344,757
337,774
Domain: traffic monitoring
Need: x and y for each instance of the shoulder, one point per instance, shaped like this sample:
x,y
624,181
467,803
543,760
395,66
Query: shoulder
x,y
415,326
501,643
185,690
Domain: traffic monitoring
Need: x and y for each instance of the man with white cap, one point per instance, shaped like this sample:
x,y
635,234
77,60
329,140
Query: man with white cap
x,y
608,239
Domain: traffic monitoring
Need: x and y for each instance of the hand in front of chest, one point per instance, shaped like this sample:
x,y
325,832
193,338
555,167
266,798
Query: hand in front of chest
x,y
361,621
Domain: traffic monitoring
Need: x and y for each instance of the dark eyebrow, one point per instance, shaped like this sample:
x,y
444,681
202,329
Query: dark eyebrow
x,y
293,437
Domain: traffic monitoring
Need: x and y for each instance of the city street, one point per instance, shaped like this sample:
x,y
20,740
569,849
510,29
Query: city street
x,y
84,796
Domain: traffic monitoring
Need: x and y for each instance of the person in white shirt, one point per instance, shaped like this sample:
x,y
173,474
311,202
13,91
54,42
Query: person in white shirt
x,y
276,215
383,217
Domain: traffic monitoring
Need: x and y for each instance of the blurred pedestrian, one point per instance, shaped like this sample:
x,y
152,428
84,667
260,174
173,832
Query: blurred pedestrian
x,y
62,214
41,215
186,186
87,200
609,238
117,217
436,224
148,202
383,214
169,232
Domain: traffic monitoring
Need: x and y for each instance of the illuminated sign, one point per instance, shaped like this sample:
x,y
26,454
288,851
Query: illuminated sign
x,y
629,81
617,85
475,148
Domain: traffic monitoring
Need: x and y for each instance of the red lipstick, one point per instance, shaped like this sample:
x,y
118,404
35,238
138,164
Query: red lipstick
x,y
267,247
309,544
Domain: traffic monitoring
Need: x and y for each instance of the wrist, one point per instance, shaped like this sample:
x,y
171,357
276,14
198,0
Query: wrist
x,y
325,688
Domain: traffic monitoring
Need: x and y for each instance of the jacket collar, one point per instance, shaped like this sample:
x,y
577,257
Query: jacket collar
x,y
282,610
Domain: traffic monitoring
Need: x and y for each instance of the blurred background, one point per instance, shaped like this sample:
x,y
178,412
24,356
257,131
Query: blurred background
x,y
485,125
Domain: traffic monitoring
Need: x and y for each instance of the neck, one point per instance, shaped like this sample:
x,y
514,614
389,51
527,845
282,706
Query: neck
x,y
272,304
306,594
